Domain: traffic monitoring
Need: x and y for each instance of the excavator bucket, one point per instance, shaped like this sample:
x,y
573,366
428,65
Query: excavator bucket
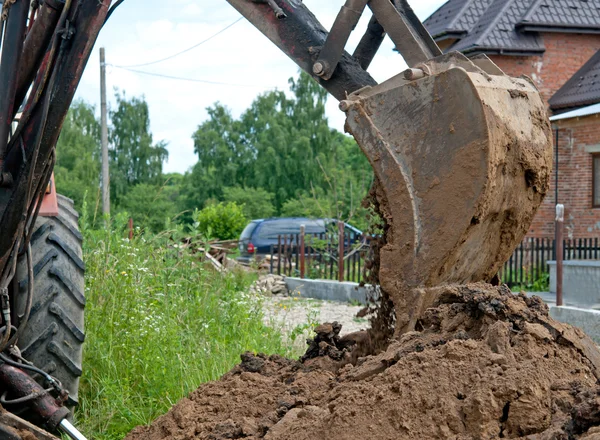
x,y
463,157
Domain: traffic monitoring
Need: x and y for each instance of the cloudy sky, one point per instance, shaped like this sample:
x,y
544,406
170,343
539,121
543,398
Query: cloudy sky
x,y
240,59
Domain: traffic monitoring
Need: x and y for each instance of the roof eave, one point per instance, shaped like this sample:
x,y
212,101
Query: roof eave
x,y
477,50
541,27
563,107
577,112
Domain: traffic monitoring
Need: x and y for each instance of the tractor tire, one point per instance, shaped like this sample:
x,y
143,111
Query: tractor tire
x,y
53,337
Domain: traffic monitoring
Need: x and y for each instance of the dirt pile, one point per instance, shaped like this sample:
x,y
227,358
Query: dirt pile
x,y
484,364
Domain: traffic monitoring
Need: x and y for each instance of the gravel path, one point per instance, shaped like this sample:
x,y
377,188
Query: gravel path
x,y
297,316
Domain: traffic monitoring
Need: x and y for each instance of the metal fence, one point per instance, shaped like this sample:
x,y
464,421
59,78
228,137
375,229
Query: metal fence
x,y
317,256
528,266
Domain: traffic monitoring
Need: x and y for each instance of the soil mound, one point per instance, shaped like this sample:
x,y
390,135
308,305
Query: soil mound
x,y
484,364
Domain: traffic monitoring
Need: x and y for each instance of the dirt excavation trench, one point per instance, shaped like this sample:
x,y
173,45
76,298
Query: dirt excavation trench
x,y
485,364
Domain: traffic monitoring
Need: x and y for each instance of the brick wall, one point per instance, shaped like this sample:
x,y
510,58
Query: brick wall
x,y
565,54
575,182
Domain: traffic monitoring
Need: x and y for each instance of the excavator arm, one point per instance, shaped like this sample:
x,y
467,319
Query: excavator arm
x,y
461,152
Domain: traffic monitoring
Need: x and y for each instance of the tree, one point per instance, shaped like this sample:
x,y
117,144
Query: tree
x,y
149,206
255,202
284,146
280,144
306,206
135,159
222,153
291,139
77,170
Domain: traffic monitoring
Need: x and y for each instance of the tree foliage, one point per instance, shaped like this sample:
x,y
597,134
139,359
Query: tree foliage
x,y
279,158
134,156
255,202
282,145
149,205
77,169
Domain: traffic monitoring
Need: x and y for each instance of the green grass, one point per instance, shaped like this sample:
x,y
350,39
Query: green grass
x,y
159,323
532,282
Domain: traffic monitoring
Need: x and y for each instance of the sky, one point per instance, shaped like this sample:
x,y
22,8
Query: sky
x,y
241,59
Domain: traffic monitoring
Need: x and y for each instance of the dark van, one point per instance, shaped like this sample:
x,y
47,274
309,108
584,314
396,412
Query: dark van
x,y
259,235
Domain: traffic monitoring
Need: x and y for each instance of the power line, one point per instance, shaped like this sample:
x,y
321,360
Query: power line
x,y
197,80
183,51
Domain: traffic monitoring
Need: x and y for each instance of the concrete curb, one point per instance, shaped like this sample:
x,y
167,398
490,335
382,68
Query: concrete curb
x,y
330,290
586,319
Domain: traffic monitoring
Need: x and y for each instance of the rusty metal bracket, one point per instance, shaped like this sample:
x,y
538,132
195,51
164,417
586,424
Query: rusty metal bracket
x,y
5,8
16,26
369,43
278,11
396,19
344,24
406,31
300,36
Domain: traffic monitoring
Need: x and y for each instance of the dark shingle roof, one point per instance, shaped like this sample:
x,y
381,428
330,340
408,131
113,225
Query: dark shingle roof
x,y
456,17
495,31
555,15
582,89
509,26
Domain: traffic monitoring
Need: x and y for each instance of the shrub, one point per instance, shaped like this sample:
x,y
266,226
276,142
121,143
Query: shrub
x,y
224,221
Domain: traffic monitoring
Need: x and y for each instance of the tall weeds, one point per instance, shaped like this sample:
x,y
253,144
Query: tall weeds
x,y
159,323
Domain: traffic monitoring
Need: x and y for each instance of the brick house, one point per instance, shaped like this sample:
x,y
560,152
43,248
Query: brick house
x,y
557,44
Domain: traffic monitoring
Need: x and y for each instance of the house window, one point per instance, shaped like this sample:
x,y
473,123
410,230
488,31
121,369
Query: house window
x,y
596,180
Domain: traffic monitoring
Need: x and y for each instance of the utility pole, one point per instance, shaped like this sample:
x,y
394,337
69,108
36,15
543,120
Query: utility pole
x,y
104,135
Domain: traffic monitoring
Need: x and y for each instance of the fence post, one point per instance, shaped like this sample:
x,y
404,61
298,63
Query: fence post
x,y
279,255
302,251
558,229
340,251
130,228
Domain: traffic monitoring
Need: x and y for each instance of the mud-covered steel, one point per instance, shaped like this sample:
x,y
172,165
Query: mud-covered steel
x,y
16,423
369,44
76,50
344,23
300,36
406,31
36,44
18,384
463,159
16,27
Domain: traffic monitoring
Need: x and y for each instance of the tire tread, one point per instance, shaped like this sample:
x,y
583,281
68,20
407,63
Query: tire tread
x,y
54,334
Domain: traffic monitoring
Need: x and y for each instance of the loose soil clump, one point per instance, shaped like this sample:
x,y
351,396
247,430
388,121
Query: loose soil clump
x,y
486,364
